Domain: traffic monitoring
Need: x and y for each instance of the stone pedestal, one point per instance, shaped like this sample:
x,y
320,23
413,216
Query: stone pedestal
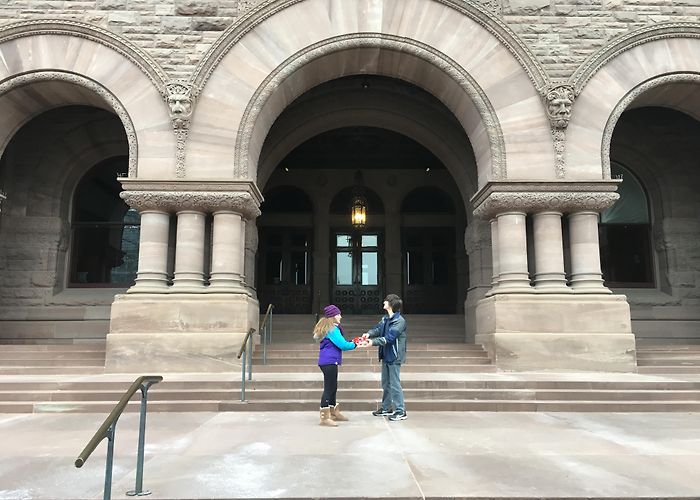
x,y
178,332
557,332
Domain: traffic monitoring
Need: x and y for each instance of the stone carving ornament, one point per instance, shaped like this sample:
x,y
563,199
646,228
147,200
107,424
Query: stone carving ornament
x,y
179,99
559,101
564,202
209,202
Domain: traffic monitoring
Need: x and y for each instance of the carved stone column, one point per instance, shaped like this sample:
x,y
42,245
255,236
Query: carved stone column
x,y
251,249
496,268
586,276
227,243
549,253
552,331
513,274
189,252
187,330
152,272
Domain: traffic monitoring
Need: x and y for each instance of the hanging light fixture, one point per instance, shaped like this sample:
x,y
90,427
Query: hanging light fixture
x,y
358,207
358,211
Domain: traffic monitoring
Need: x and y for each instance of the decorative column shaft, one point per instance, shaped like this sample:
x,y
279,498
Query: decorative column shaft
x,y
550,276
241,252
189,252
496,269
586,276
513,274
227,251
153,252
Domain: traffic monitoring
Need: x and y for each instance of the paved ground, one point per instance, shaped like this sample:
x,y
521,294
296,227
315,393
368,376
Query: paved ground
x,y
430,455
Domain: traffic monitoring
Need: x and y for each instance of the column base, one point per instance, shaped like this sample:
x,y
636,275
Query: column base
x,y
178,332
557,333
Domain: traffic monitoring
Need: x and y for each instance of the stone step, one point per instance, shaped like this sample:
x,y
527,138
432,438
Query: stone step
x,y
344,383
365,361
667,370
312,406
668,362
81,347
53,361
376,368
347,395
358,354
52,370
54,355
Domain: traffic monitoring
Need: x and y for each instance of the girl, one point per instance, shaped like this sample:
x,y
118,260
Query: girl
x,y
330,356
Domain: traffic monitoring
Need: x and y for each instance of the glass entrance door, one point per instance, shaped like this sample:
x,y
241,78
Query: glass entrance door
x,y
357,275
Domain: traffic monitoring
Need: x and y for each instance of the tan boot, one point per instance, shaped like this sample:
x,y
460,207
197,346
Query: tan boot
x,y
336,415
326,419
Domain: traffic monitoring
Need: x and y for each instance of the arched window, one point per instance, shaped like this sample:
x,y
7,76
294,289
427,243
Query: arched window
x,y
625,235
105,231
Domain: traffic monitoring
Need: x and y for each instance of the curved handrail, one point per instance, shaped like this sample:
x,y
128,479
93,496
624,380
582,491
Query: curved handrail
x,y
245,341
103,431
270,307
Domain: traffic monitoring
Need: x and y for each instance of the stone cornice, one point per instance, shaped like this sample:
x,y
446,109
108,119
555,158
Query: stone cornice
x,y
619,45
533,197
90,32
260,13
212,186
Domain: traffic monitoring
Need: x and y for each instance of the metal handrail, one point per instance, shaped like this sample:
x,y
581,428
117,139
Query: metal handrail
x,y
108,428
266,331
247,347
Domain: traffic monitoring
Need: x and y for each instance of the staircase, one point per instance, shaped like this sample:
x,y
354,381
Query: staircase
x,y
668,358
442,373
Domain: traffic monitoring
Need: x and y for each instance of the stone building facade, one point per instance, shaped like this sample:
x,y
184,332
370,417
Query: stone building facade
x,y
531,164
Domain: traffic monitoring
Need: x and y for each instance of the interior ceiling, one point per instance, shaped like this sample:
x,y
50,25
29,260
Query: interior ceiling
x,y
684,97
361,148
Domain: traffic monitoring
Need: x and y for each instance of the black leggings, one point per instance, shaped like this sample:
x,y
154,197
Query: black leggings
x,y
330,385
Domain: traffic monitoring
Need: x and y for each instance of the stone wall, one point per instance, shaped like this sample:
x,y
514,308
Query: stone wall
x,y
177,33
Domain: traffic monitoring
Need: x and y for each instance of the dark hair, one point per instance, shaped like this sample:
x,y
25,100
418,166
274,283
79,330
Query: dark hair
x,y
394,301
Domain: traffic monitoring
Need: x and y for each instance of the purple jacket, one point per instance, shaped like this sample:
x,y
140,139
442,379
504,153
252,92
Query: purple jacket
x,y
332,346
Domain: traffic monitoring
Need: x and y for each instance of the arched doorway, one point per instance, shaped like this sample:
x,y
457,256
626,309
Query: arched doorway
x,y
399,147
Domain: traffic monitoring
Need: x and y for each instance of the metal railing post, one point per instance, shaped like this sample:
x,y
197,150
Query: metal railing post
x,y
249,355
107,493
264,343
243,360
270,323
138,487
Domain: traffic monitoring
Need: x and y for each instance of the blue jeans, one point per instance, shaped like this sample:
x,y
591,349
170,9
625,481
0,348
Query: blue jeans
x,y
392,392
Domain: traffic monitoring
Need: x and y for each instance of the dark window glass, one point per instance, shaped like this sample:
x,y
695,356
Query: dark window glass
x,y
299,266
439,268
414,266
275,240
625,235
105,231
299,240
273,268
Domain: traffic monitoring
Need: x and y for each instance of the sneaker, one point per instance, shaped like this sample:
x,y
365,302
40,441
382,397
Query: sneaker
x,y
398,415
382,413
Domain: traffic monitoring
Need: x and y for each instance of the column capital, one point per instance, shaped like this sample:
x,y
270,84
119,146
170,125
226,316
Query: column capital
x,y
240,198
550,196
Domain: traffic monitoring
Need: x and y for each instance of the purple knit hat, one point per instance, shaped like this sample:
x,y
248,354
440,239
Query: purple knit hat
x,y
330,311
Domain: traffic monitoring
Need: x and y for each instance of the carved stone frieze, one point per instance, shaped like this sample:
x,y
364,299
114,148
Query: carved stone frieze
x,y
565,202
626,101
369,40
240,202
180,103
75,79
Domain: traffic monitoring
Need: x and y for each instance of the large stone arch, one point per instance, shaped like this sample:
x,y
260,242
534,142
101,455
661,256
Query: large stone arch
x,y
460,54
415,119
69,57
610,80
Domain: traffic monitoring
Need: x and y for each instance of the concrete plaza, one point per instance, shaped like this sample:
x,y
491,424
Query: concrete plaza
x,y
430,455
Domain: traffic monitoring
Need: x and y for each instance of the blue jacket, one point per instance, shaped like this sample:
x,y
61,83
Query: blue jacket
x,y
332,346
390,336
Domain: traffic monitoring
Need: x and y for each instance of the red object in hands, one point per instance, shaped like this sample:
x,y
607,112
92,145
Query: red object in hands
x,y
357,340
